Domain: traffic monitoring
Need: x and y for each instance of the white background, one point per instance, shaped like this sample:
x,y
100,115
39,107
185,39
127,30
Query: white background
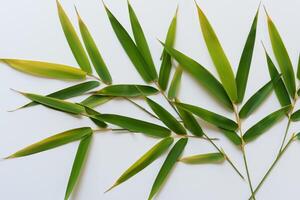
x,y
31,30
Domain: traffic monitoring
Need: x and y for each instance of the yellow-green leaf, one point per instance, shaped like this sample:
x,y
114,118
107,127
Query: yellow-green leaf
x,y
232,136
126,90
174,87
95,100
203,158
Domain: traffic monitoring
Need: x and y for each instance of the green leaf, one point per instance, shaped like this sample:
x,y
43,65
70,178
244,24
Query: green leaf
x,y
167,166
282,57
130,48
150,156
141,41
73,40
95,100
54,141
93,51
202,75
166,64
204,158
298,69
45,69
210,117
127,90
245,61
257,99
78,164
279,87
166,117
135,125
296,116
232,136
69,92
218,56
297,136
174,87
91,112
263,125
54,103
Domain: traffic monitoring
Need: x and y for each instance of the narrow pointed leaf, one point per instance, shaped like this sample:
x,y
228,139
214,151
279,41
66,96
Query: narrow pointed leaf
x,y
93,51
204,158
45,69
136,125
279,87
263,125
282,58
130,48
91,112
218,56
210,117
232,136
95,100
166,63
202,75
296,116
150,156
54,141
73,40
166,117
167,166
174,87
141,41
78,164
127,90
245,61
297,136
257,99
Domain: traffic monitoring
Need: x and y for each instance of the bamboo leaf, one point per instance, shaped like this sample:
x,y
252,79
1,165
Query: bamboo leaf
x,y
174,87
78,164
69,92
95,100
135,125
202,75
282,57
166,64
210,117
232,136
54,141
263,125
166,117
54,103
93,51
127,90
167,166
279,87
257,99
45,69
204,158
245,61
73,40
130,48
141,41
150,156
218,56
296,116
91,112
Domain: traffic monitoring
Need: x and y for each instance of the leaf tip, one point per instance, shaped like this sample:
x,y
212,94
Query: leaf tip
x,y
112,187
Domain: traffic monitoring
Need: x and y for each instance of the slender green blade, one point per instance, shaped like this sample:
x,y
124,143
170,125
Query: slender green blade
x,y
257,99
94,53
54,141
218,56
279,87
298,68
166,64
124,90
136,125
166,117
174,87
232,136
297,136
73,40
296,116
95,100
150,156
141,41
204,158
210,117
282,58
245,61
263,125
202,75
167,166
54,103
78,165
130,48
69,92
45,69
91,112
